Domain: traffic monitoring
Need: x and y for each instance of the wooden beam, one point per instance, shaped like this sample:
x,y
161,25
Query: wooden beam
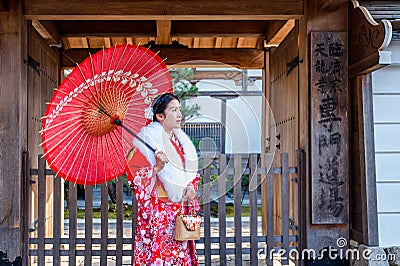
x,y
13,139
241,58
219,35
185,41
218,42
365,48
330,5
365,65
178,29
163,32
3,5
247,42
95,28
367,161
48,30
227,75
273,28
76,42
162,10
280,34
96,42
225,28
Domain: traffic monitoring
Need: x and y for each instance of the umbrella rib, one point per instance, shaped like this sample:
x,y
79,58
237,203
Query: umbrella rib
x,y
118,103
162,73
59,142
128,140
119,143
108,99
114,102
109,154
103,103
94,80
80,166
87,97
151,58
69,105
130,58
62,114
161,84
72,112
129,126
90,91
140,58
131,121
136,136
159,64
97,161
119,61
136,100
59,132
59,124
104,160
124,105
67,94
135,115
69,154
148,60
101,88
109,68
65,147
102,65
128,117
95,103
106,84
73,162
156,76
154,87
90,157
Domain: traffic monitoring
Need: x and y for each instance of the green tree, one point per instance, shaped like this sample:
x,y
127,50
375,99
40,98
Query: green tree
x,y
185,90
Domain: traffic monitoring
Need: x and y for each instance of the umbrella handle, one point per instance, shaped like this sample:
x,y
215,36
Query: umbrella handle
x,y
118,122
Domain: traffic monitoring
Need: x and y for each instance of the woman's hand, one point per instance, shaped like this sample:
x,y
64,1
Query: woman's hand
x,y
189,193
161,160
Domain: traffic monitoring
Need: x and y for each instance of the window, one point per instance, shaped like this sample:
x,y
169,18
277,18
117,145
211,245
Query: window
x,y
205,135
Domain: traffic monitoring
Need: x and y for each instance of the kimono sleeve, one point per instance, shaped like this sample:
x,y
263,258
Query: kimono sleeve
x,y
140,172
195,182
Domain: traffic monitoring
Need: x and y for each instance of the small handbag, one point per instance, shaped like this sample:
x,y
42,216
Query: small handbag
x,y
187,226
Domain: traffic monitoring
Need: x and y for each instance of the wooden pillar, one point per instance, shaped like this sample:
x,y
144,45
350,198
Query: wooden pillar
x,y
369,208
13,121
331,17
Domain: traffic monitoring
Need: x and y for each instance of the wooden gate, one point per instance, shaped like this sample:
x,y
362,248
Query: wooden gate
x,y
219,243
284,130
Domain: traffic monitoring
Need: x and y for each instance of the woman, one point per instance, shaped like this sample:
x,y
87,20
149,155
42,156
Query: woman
x,y
160,181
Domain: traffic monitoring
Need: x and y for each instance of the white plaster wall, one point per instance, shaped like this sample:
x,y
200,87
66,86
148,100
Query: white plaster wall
x,y
243,114
386,98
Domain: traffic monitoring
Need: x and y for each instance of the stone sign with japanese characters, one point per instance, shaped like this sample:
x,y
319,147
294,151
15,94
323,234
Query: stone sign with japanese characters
x,y
329,127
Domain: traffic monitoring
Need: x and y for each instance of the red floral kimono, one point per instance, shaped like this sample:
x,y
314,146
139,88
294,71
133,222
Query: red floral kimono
x,y
156,216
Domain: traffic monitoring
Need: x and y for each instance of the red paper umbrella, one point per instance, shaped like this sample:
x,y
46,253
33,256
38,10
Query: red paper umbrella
x,y
82,129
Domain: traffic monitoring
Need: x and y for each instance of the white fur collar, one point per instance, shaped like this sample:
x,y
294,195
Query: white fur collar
x,y
175,176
